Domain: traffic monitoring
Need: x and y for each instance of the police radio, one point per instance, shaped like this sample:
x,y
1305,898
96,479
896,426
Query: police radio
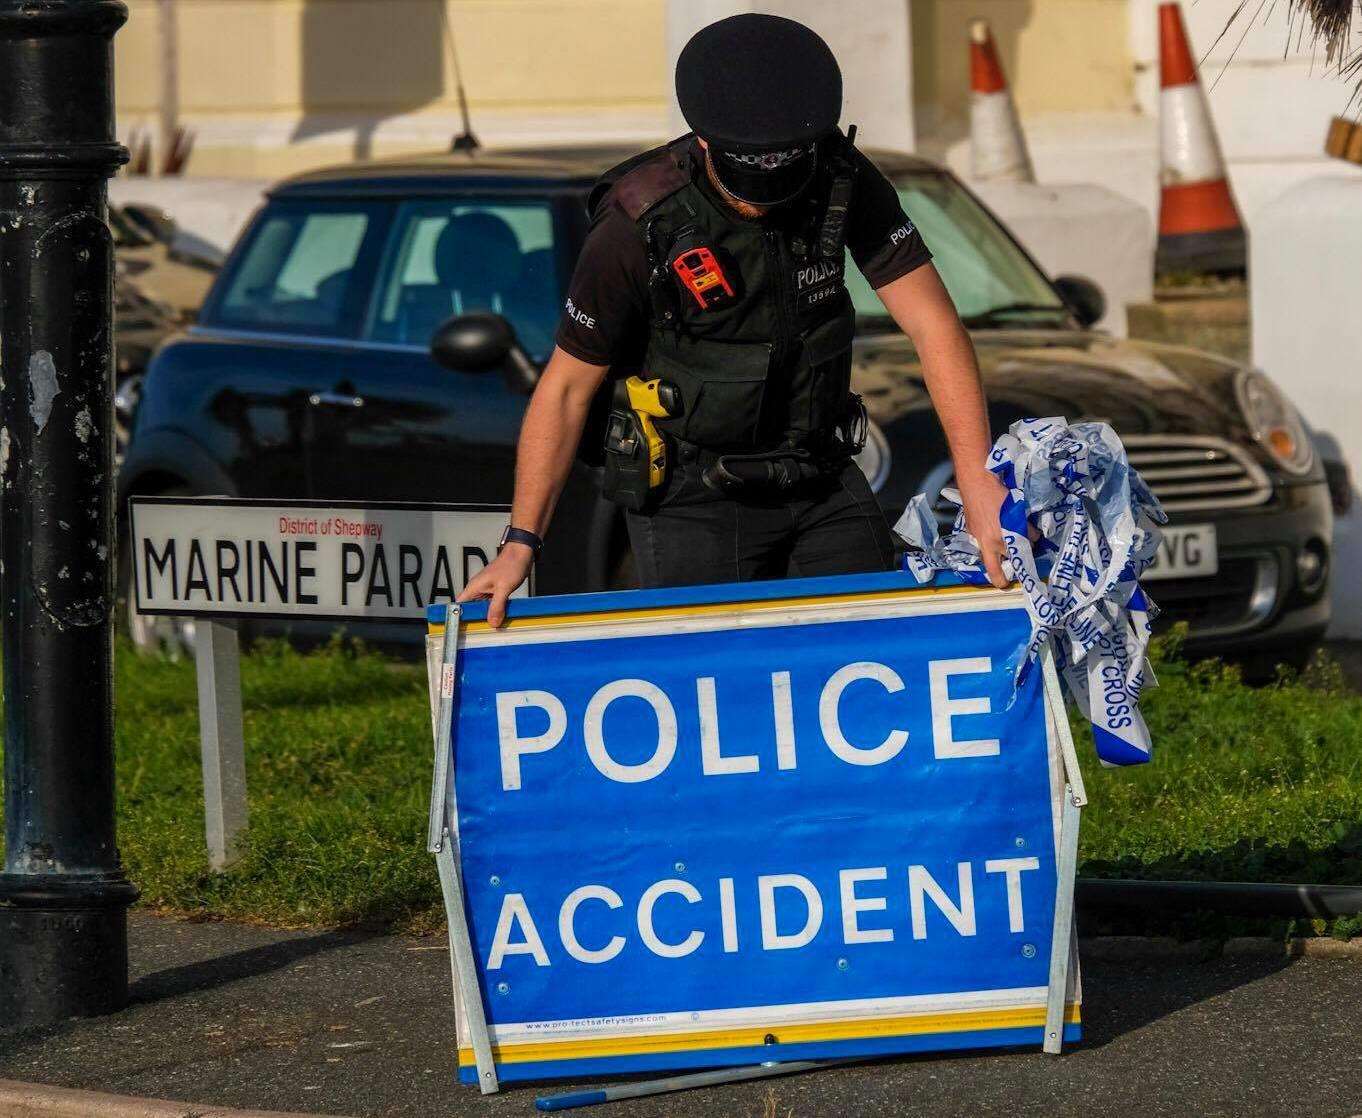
x,y
699,271
700,274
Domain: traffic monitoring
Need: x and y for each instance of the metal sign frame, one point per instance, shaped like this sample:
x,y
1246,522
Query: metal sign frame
x,y
447,634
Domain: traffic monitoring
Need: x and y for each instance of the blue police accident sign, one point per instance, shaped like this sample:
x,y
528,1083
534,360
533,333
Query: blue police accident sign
x,y
727,825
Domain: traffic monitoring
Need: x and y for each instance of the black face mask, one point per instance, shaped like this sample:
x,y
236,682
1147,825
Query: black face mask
x,y
764,178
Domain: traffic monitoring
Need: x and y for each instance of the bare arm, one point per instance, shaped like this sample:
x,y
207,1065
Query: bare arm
x,y
548,442
922,307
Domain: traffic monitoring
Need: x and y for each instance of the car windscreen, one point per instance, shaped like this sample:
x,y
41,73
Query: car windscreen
x,y
989,278
306,267
448,257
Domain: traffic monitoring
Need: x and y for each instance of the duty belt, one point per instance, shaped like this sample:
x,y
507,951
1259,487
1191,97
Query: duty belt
x,y
771,471
786,467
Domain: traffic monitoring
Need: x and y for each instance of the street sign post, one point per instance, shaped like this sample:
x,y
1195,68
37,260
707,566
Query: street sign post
x,y
721,826
220,560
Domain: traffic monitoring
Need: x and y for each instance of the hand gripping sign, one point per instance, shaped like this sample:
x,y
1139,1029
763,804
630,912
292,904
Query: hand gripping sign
x,y
718,826
1097,527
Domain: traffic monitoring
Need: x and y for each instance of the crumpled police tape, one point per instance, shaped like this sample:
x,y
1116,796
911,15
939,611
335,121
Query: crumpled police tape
x,y
1097,525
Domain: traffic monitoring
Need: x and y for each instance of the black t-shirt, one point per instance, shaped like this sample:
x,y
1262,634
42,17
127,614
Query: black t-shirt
x,y
605,321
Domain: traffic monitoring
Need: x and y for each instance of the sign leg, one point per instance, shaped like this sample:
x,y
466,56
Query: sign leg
x,y
1054,701
571,1100
442,704
464,965
1061,938
221,743
444,844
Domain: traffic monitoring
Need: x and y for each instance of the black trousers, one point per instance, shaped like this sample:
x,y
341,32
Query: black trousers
x,y
831,525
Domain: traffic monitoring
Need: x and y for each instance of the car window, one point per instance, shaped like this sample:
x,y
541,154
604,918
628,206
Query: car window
x,y
302,270
982,268
453,256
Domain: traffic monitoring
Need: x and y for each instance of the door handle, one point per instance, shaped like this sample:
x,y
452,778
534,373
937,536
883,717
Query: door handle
x,y
335,400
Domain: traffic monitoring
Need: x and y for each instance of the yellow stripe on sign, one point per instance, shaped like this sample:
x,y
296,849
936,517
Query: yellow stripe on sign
x,y
916,1025
866,597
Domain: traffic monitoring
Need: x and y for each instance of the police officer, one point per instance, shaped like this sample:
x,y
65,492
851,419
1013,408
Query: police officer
x,y
714,267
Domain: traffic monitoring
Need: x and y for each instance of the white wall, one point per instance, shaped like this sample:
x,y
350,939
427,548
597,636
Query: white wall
x,y
870,38
1085,230
209,212
1306,264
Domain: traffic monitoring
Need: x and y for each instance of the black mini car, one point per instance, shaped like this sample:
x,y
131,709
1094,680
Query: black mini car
x,y
310,374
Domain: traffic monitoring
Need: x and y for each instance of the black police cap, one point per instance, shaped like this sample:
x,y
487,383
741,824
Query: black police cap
x,y
752,83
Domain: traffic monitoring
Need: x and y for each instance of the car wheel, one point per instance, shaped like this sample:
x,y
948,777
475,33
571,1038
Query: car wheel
x,y
156,635
1261,667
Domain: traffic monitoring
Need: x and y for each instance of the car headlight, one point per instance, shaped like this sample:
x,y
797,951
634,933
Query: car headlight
x,y
874,458
1274,422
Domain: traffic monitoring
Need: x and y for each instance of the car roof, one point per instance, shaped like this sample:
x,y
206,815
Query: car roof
x,y
439,172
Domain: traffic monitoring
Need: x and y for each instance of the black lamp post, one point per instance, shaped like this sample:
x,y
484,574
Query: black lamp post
x,y
63,896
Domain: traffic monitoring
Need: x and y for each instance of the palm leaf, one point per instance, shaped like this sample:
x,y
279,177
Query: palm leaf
x,y
1327,23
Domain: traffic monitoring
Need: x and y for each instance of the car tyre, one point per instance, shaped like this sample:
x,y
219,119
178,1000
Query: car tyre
x,y
1261,667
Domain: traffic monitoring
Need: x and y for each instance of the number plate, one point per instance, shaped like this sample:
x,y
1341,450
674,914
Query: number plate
x,y
1187,551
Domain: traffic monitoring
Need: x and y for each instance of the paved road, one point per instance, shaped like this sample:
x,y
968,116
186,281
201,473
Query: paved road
x,y
349,1024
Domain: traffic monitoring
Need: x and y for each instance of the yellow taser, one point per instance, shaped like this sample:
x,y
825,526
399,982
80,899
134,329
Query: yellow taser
x,y
649,400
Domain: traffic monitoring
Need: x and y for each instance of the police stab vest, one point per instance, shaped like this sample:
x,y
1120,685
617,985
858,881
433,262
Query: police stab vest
x,y
750,319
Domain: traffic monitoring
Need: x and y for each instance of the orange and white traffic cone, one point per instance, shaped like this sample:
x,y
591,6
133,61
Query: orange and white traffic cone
x,y
1199,225
997,147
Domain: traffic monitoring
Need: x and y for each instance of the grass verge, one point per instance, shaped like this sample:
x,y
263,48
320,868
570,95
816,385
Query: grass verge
x,y
1261,784
1247,784
338,771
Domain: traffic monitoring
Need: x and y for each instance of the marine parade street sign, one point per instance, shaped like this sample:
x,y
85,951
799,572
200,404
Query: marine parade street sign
x,y
204,557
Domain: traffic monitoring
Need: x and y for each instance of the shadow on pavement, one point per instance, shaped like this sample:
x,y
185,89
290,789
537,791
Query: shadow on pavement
x,y
190,978
208,974
1121,998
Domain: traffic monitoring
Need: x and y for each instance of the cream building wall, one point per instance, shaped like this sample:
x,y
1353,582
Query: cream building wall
x,y
1074,74
1059,55
274,86
871,39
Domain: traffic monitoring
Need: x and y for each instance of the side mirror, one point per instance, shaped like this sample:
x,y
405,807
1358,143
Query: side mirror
x,y
152,221
481,342
1083,297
